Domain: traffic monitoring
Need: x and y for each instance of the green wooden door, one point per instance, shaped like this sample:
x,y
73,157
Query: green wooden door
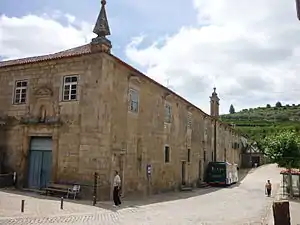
x,y
40,162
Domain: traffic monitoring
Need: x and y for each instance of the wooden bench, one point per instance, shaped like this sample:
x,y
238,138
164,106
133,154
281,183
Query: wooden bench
x,y
66,189
57,188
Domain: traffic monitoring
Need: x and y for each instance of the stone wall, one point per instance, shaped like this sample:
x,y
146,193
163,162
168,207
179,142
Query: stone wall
x,y
98,132
138,139
81,143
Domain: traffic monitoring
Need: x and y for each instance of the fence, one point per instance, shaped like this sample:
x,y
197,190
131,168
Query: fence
x,y
7,180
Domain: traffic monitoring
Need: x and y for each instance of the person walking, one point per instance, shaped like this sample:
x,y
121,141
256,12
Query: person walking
x,y
268,188
116,191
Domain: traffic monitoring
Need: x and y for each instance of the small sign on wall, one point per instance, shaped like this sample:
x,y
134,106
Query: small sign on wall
x,y
149,168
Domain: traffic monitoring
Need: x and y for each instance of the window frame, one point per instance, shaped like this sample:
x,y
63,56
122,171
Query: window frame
x,y
132,91
167,113
70,84
20,94
189,120
167,159
189,155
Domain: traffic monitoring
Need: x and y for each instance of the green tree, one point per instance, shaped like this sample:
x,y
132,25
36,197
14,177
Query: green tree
x,y
268,106
231,109
278,104
283,148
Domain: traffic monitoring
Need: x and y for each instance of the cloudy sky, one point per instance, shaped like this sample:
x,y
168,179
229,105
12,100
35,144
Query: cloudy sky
x,y
249,50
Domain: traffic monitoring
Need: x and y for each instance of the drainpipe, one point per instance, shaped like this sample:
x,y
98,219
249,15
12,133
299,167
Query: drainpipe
x,y
215,139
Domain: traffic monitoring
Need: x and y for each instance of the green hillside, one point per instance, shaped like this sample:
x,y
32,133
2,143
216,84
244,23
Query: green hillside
x,y
261,121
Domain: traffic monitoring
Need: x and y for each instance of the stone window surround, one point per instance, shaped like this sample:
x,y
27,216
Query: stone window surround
x,y
134,100
189,154
167,150
167,112
70,84
23,91
189,120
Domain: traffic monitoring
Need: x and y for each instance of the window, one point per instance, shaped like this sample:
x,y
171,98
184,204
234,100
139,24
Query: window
x,y
189,120
204,156
133,100
20,92
70,88
189,155
168,113
218,169
167,154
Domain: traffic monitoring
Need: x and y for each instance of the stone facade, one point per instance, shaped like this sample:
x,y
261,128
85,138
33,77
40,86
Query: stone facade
x,y
101,132
103,115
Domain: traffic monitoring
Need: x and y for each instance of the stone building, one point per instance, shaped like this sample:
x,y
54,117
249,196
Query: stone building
x,y
73,113
252,155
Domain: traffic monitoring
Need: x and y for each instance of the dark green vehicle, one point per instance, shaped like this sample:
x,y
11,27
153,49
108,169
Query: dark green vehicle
x,y
222,173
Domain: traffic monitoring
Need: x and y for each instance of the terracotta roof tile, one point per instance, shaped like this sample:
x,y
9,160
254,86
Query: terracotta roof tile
x,y
81,50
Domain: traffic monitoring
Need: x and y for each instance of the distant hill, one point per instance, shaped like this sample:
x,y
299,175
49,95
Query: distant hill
x,y
262,121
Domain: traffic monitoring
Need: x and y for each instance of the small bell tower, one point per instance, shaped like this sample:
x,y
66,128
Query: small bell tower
x,y
214,104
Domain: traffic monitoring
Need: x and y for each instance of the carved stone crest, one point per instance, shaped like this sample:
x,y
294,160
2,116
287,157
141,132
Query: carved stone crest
x,y
43,91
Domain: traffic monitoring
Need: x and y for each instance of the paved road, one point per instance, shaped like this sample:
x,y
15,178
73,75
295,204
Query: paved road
x,y
243,204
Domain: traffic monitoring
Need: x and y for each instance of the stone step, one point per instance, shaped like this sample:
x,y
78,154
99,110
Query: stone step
x,y
203,185
186,188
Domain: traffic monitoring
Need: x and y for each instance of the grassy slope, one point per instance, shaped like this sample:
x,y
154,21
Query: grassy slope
x,y
262,121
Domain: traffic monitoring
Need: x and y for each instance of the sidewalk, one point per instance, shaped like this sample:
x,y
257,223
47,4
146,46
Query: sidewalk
x,y
35,205
40,205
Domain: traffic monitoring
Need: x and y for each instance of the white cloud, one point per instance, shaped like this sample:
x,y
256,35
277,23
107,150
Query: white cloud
x,y
32,35
248,49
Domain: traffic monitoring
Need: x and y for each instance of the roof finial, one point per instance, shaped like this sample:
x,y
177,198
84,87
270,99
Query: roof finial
x,y
102,27
215,89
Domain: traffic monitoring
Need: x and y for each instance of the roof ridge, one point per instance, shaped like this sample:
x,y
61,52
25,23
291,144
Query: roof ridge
x,y
75,51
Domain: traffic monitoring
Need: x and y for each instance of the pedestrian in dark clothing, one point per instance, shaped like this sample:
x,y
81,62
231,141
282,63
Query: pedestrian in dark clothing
x,y
117,188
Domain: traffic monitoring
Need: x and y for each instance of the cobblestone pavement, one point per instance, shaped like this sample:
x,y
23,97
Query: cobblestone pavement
x,y
241,204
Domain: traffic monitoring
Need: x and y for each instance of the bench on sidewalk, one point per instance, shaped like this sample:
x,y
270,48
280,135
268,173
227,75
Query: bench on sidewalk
x,y
65,189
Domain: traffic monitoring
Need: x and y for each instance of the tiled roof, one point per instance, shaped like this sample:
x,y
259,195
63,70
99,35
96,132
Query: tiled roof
x,y
81,50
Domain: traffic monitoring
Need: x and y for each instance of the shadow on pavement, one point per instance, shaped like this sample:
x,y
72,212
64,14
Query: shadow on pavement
x,y
135,202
